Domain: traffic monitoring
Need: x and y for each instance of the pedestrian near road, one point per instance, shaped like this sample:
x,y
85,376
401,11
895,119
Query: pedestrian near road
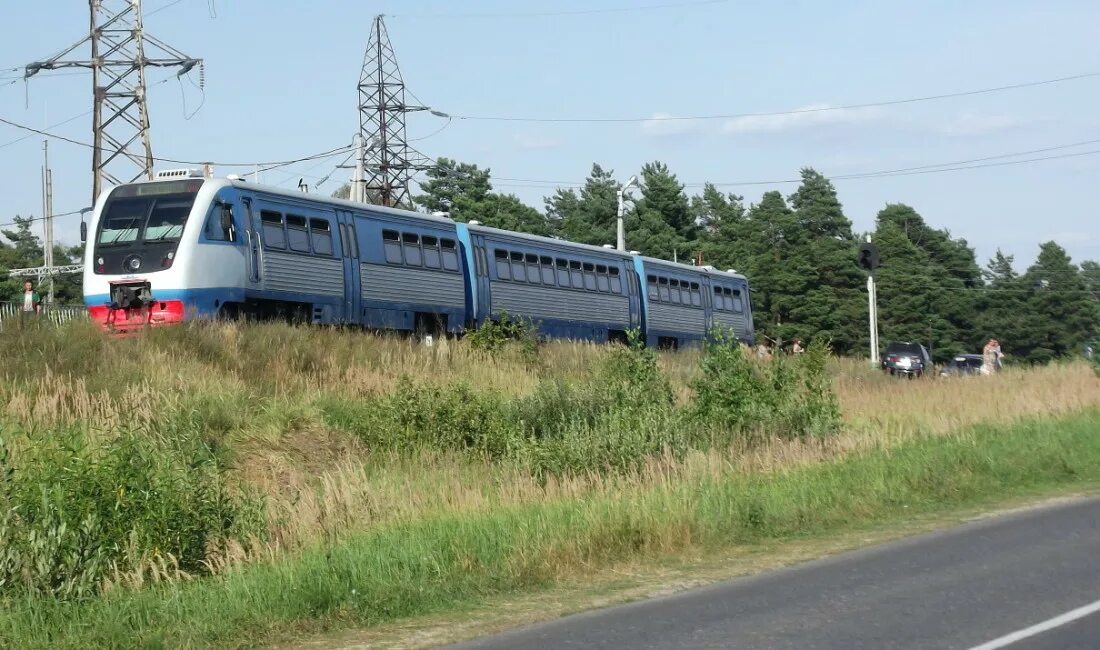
x,y
991,357
31,303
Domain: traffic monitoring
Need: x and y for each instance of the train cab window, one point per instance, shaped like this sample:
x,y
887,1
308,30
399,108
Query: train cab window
x,y
297,233
519,271
576,278
391,242
320,232
662,289
272,224
410,244
430,246
589,276
562,267
616,281
504,271
602,282
213,230
450,254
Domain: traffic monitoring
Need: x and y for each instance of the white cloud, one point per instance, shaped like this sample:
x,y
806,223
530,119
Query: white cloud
x,y
660,125
534,141
806,117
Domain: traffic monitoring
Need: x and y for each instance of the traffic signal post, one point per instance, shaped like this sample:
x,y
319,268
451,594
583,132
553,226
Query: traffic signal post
x,y
869,261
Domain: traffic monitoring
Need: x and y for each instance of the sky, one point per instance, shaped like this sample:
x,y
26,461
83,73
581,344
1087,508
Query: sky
x,y
280,84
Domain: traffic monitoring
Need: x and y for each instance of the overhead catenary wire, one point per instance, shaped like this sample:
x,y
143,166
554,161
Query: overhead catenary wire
x,y
796,111
563,12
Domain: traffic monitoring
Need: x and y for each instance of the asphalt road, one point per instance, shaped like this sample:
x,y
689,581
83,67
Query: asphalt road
x,y
1027,580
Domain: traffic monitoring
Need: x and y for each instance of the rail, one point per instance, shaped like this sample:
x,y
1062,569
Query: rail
x,y
57,314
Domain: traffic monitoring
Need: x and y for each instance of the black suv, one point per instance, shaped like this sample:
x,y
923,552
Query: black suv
x,y
905,358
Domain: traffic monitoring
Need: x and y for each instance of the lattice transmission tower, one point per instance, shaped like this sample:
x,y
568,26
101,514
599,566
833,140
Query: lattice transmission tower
x,y
120,52
387,161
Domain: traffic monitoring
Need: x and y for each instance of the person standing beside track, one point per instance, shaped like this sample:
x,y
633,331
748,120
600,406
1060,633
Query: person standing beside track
x,y
31,303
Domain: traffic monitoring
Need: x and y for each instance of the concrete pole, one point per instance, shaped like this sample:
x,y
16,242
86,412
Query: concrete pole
x,y
620,239
357,177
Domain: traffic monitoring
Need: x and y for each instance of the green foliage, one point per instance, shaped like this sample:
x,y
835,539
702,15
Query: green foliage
x,y
466,193
790,396
74,513
588,217
25,251
497,335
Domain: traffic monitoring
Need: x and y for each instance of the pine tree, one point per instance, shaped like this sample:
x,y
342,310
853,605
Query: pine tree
x,y
1063,314
721,219
830,305
776,268
465,192
662,223
589,218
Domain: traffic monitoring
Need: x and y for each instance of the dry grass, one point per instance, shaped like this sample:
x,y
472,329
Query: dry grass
x,y
255,388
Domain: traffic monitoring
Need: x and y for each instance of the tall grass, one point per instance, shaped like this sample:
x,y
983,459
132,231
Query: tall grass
x,y
454,560
222,450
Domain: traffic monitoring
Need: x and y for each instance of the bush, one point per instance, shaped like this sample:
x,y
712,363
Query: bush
x,y
496,335
789,396
73,515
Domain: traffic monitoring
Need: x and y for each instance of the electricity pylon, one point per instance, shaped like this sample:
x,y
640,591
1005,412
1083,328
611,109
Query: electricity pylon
x,y
120,52
390,162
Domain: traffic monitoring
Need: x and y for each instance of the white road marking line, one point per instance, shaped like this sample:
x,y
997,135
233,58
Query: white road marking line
x,y
1039,628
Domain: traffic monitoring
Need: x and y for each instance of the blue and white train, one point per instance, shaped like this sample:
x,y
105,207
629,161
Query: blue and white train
x,y
184,247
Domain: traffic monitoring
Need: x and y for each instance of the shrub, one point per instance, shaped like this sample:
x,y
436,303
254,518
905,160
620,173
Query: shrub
x,y
496,335
73,514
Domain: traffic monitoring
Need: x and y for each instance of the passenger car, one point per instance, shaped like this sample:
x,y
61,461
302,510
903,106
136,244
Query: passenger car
x,y
906,358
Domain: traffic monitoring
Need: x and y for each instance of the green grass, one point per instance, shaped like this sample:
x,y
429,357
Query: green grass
x,y
451,561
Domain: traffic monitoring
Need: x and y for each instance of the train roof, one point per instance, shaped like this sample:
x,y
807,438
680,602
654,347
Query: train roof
x,y
549,241
706,270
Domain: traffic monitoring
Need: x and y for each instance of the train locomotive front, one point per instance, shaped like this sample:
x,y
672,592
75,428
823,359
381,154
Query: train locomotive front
x,y
143,265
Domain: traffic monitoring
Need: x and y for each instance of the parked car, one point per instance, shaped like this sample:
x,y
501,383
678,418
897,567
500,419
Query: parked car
x,y
906,358
963,364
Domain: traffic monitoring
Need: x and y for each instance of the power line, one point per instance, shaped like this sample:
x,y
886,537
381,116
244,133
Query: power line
x,y
797,111
574,12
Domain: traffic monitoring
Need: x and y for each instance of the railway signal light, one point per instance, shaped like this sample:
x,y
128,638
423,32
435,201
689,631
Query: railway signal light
x,y
868,256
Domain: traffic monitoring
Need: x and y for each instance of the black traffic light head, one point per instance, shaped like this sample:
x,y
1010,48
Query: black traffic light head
x,y
868,256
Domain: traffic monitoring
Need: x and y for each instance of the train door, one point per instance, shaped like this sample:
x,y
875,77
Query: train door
x,y
633,290
481,279
254,279
349,251
708,305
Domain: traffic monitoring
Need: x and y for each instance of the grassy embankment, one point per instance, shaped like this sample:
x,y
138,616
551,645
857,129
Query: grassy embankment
x,y
220,485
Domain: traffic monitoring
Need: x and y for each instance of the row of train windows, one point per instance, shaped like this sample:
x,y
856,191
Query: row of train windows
x,y
427,251
726,299
557,272
296,233
673,291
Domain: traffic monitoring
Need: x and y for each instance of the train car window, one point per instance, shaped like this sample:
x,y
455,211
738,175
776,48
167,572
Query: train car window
x,y
391,241
297,233
602,282
533,275
589,276
616,282
450,254
547,266
504,271
430,247
736,303
719,303
651,287
320,232
696,296
576,278
562,272
662,289
674,291
519,271
410,244
272,224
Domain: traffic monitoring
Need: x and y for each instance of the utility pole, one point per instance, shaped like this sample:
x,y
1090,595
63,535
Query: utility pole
x,y
47,219
869,260
620,239
120,52
389,165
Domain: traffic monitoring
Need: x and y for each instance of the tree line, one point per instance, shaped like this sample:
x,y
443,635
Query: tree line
x,y
20,248
800,254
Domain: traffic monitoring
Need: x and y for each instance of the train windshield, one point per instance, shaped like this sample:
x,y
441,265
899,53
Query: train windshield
x,y
147,213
